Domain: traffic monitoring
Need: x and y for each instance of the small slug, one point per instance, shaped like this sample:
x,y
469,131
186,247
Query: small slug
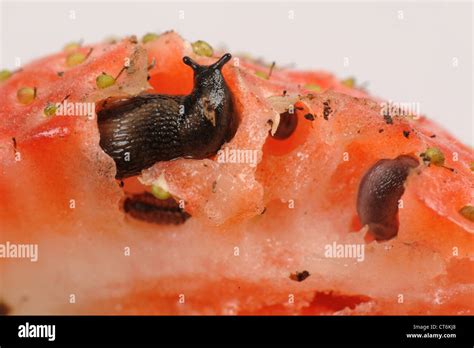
x,y
139,131
287,125
144,206
379,192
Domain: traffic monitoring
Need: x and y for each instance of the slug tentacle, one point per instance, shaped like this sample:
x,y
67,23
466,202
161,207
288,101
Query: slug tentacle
x,y
379,193
139,131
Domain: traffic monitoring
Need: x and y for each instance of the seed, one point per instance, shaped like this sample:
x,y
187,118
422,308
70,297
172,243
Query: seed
x,y
433,155
50,110
111,40
202,48
5,74
472,166
313,87
262,75
149,37
71,47
104,80
349,82
468,212
159,192
75,58
26,95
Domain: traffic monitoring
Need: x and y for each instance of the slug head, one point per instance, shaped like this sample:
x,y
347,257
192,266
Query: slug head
x,y
208,76
209,108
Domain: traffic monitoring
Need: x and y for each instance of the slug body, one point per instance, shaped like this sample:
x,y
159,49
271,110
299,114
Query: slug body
x,y
379,192
139,131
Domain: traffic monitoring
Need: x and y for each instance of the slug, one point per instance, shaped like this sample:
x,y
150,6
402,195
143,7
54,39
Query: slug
x,y
379,192
139,131
287,126
144,206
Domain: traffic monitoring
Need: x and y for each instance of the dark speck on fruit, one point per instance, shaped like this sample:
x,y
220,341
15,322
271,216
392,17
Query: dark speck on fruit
x,y
214,184
4,308
326,110
299,276
387,117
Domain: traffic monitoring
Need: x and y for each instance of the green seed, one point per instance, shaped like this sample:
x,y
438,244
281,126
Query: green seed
x,y
349,82
112,40
202,48
262,75
26,95
150,37
75,58
50,110
468,212
434,156
159,192
5,74
104,81
71,47
313,87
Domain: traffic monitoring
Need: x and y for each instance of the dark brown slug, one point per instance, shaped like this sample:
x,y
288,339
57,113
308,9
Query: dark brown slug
x,y
139,131
379,192
144,206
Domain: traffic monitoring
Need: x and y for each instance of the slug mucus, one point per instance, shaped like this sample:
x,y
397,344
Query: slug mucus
x,y
139,131
379,193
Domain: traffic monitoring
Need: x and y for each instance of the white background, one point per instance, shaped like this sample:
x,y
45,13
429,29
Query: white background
x,y
403,60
